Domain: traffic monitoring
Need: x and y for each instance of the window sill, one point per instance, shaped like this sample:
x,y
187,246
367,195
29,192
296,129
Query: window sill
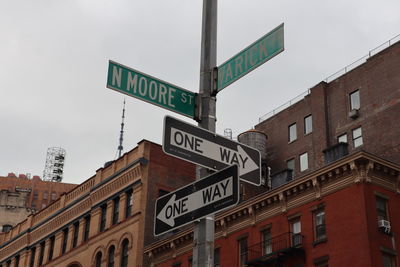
x,y
320,241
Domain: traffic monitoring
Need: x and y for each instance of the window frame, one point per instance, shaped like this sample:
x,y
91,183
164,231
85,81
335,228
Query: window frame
x,y
103,217
65,241
111,257
382,214
318,237
295,229
302,166
125,253
51,247
266,242
243,250
342,136
115,215
75,234
292,135
354,98
129,203
87,228
308,129
357,138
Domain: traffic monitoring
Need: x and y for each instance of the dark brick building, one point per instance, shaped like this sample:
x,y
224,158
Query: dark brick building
x,y
335,196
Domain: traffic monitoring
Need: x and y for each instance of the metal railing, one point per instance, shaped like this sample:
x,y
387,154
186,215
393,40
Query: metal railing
x,y
332,77
274,245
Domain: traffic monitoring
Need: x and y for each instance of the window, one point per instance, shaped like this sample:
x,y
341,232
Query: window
x,y
8,264
217,257
41,255
32,259
51,248
266,242
129,203
103,217
111,255
308,124
355,100
45,195
87,228
290,165
381,208
7,228
115,211
357,137
304,162
76,232
342,138
53,196
295,228
388,260
242,251
35,195
124,253
176,264
17,261
319,223
65,241
98,259
321,262
292,132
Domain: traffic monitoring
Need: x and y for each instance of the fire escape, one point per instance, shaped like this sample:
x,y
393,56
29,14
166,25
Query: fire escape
x,y
279,251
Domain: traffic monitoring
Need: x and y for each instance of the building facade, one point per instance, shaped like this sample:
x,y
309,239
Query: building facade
x,y
21,196
334,194
105,221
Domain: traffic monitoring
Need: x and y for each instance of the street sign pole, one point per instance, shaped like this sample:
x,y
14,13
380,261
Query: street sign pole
x,y
203,240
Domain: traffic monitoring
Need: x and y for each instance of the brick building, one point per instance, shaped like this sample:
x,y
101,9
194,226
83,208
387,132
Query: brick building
x,y
21,196
105,220
335,196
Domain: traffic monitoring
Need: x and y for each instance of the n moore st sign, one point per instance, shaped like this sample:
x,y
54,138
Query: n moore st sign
x,y
150,89
209,195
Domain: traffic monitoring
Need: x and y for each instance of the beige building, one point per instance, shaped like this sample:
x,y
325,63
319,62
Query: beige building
x,y
105,221
13,208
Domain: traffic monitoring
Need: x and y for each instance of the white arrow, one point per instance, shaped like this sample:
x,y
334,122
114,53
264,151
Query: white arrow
x,y
176,208
213,151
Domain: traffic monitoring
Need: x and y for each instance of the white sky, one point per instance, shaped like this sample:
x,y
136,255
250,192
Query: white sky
x,y
54,56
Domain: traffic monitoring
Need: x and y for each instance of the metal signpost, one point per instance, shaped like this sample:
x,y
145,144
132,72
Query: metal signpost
x,y
205,148
251,57
191,143
214,193
147,88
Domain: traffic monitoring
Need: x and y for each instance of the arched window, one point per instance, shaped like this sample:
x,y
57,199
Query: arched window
x,y
111,254
124,253
7,228
98,259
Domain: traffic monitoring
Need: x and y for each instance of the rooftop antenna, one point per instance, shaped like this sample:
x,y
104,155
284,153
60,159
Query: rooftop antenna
x,y
121,136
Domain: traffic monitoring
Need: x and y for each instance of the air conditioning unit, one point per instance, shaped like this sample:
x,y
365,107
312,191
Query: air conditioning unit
x,y
384,225
354,113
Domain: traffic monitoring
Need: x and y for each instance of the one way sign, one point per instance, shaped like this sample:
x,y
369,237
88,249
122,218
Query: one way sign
x,y
210,150
211,194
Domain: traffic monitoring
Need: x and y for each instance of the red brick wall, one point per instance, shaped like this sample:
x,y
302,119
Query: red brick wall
x,y
166,173
378,81
353,238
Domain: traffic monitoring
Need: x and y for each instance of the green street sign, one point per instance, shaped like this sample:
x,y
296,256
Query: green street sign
x,y
250,58
147,88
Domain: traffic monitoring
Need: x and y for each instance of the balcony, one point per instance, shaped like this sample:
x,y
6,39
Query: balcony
x,y
276,250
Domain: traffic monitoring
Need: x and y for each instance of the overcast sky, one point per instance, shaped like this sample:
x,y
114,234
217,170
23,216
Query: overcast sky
x,y
54,56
